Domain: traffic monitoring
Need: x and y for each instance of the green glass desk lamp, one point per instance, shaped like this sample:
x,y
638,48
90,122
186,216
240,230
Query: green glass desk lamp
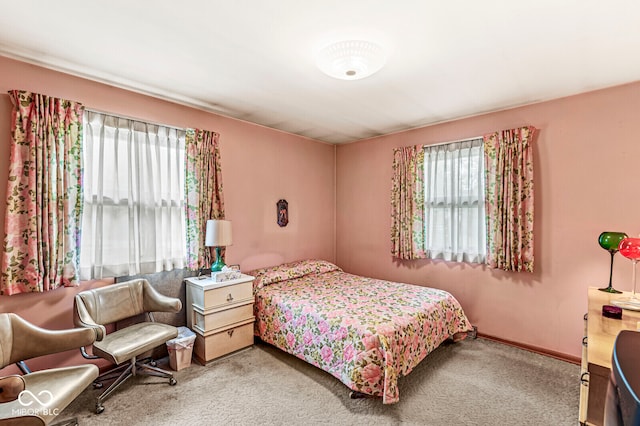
x,y
610,242
218,235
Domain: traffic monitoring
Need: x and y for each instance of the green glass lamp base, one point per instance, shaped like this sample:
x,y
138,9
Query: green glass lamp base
x,y
219,263
610,290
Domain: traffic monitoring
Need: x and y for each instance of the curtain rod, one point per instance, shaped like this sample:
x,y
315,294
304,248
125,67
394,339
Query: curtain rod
x,y
447,143
134,119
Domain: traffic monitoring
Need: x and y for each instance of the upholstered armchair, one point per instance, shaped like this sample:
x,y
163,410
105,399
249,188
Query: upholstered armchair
x,y
37,398
94,309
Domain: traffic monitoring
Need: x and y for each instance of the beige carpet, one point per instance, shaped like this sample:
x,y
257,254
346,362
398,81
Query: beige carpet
x,y
473,382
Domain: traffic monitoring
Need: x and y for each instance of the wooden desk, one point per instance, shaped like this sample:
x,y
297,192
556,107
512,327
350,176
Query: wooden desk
x,y
601,335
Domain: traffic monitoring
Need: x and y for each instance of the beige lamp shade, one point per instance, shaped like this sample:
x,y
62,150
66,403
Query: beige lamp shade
x,y
218,233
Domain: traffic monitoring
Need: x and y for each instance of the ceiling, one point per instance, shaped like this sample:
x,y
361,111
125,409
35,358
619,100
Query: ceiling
x,y
255,59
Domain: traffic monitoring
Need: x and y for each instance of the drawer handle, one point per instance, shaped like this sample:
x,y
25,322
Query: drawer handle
x,y
229,298
583,380
584,341
230,333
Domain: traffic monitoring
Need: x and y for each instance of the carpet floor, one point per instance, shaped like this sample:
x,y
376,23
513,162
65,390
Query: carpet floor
x,y
473,382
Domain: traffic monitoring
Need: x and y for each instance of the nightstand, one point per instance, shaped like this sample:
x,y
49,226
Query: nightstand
x,y
221,315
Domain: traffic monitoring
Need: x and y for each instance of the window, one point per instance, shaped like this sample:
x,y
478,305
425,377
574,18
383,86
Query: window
x,y
133,220
454,201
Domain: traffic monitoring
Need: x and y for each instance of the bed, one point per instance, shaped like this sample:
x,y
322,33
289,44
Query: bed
x,y
365,332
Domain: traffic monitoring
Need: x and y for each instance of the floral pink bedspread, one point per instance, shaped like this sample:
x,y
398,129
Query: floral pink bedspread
x,y
365,332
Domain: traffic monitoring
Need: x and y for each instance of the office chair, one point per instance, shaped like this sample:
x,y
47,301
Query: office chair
x,y
622,406
37,398
106,305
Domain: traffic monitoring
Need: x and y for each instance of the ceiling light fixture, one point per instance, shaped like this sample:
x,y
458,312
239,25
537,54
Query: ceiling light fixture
x,y
351,59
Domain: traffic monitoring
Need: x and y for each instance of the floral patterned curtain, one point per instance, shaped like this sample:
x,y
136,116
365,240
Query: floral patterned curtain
x,y
203,192
407,203
44,195
509,198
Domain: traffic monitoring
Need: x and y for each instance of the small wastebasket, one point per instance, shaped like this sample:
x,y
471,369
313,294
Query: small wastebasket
x,y
180,349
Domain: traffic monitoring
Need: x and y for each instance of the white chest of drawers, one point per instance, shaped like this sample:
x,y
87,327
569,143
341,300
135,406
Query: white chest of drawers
x,y
221,315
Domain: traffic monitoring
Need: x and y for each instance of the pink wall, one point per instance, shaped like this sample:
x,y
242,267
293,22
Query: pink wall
x,y
586,147
583,144
260,166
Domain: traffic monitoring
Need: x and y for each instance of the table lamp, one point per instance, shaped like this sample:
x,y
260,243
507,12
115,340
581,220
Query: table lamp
x,y
218,235
610,242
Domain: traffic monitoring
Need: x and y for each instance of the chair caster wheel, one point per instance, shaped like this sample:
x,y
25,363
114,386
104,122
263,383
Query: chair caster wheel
x,y
97,385
172,382
153,363
99,408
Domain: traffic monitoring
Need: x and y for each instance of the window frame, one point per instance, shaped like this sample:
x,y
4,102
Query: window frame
x,y
445,203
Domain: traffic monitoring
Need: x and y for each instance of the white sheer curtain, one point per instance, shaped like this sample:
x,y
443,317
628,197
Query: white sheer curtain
x,y
454,201
133,220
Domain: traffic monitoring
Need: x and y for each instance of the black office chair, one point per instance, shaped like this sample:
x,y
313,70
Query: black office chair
x,y
622,407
